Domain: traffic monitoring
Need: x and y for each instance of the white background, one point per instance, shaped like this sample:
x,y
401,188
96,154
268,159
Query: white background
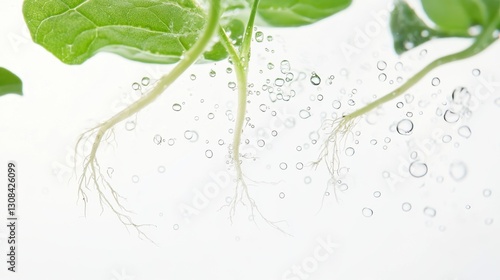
x,y
39,130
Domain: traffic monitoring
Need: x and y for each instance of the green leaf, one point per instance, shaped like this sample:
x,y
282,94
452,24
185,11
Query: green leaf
x,y
158,31
408,30
298,12
10,83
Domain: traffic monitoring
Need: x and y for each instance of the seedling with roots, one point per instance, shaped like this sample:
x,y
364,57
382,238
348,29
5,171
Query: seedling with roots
x,y
161,32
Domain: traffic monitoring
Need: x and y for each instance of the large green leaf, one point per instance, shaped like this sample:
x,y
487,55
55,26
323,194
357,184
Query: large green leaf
x,y
145,30
299,12
10,83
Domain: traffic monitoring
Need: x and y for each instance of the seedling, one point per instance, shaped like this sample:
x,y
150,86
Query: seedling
x,y
172,31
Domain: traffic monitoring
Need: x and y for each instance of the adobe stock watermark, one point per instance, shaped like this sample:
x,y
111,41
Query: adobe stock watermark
x,y
304,269
364,36
202,197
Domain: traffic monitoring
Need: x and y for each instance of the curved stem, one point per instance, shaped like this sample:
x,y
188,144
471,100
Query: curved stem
x,y
481,42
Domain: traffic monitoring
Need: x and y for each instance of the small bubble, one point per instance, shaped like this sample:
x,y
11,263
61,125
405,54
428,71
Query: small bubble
x,y
458,170
259,36
460,95
209,153
400,105
269,38
373,142
476,72
464,131
161,169
157,139
210,116
285,66
191,135
135,179
130,125
289,77
299,165
231,85
486,192
282,195
192,77
406,206
176,107
283,166
110,171
435,81
274,133
145,81
270,66
451,117
349,151
343,187
315,79
307,180
431,212
304,114
382,77
220,142
446,138
405,127
229,70
387,140
488,221
351,102
171,141
367,212
381,65
398,66
336,104
418,169
377,194
176,227
414,155
136,86
467,207
261,143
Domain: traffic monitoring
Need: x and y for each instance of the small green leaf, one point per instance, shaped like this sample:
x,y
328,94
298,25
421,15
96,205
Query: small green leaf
x,y
158,31
408,30
448,15
298,12
10,83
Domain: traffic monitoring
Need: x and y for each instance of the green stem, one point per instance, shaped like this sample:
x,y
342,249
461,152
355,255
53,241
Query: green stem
x,y
481,42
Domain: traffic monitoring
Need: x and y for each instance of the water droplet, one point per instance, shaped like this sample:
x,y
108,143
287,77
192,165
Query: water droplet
x,y
398,66
446,138
274,133
220,142
406,206
458,170
210,116
279,82
414,155
429,211
192,77
299,165
231,85
171,141
382,77
488,221
136,86
269,38
209,153
486,192
130,125
367,212
285,66
315,79
336,104
377,194
476,72
270,66
381,65
405,127
161,169
283,166
157,139
373,141
229,70
212,73
387,140
418,169
191,135
351,102
176,107
307,180
435,81
282,195
343,187
349,151
400,105
135,179
110,171
259,36
304,114
460,95
289,77
451,117
145,81
176,227
464,131
261,143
